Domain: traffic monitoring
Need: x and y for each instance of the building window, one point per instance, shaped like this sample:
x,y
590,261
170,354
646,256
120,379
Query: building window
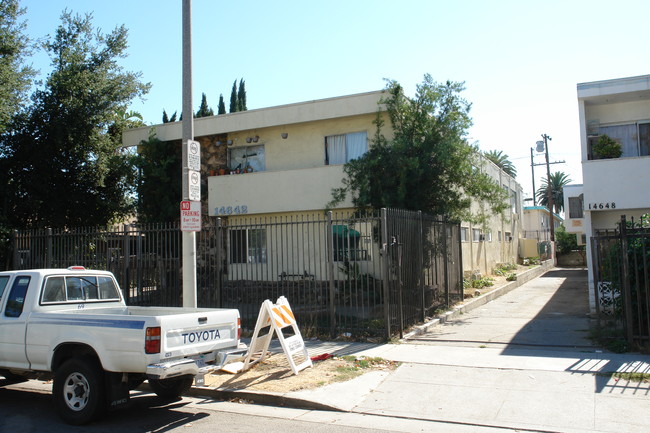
x,y
463,234
343,148
247,159
634,138
499,236
508,237
575,207
488,236
248,246
476,235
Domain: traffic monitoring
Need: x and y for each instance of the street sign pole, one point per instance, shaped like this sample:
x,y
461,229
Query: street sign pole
x,y
188,237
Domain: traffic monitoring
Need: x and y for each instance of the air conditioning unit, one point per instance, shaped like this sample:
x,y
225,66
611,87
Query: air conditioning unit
x,y
508,238
481,238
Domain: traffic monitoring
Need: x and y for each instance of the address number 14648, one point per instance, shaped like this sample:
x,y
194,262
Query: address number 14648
x,y
595,206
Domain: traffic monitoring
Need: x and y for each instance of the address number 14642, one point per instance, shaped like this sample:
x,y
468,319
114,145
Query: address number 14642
x,y
231,210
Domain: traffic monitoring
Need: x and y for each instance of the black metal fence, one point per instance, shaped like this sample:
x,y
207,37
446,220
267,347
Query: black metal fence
x,y
622,280
366,276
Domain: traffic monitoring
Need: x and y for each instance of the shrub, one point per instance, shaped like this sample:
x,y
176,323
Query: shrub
x,y
606,147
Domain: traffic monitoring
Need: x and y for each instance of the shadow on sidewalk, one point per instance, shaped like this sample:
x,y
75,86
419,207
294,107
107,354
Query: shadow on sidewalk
x,y
563,322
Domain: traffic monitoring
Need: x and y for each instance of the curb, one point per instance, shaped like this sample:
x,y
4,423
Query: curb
x,y
472,304
264,398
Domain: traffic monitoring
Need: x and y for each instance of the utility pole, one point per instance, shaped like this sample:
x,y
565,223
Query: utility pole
x,y
549,190
189,237
532,167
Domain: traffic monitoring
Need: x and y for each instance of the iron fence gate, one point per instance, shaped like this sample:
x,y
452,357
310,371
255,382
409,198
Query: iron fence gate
x,y
370,276
622,280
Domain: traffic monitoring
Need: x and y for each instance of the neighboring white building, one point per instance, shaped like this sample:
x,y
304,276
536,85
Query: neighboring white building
x,y
619,108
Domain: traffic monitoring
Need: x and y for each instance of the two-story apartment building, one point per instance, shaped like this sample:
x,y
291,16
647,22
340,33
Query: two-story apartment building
x,y
620,109
285,161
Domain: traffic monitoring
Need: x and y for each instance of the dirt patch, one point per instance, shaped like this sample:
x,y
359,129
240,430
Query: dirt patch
x,y
274,374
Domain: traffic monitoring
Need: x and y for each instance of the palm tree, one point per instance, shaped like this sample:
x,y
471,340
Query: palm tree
x,y
502,161
558,181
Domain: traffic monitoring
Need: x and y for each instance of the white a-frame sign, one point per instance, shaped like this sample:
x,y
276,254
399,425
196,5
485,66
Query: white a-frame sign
x,y
276,317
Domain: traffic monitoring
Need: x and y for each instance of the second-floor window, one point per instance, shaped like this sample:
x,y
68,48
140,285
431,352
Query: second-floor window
x,y
634,138
575,207
342,148
247,159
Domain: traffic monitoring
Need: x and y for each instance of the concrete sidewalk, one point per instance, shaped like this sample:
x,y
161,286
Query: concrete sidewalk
x,y
507,364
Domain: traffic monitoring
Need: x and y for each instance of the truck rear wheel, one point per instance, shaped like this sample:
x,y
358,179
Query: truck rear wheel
x,y
171,388
78,390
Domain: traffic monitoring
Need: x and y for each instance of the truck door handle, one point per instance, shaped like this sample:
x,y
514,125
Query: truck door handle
x,y
203,320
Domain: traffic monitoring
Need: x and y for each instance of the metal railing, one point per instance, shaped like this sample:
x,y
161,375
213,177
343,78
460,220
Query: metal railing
x,y
369,276
622,281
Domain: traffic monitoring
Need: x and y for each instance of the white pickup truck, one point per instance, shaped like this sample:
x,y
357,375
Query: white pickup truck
x,y
73,325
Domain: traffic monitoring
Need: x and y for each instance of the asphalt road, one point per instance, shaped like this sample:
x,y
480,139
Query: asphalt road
x,y
28,408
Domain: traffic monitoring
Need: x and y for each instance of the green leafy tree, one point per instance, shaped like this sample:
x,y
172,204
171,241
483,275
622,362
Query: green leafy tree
x,y
222,105
15,75
233,98
566,242
15,79
204,109
428,165
502,161
159,186
241,96
67,168
558,181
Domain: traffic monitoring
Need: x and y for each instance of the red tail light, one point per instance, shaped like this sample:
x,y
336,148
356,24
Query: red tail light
x,y
238,328
152,340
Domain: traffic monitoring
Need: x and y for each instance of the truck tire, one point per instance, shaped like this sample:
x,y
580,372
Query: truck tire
x,y
171,388
78,390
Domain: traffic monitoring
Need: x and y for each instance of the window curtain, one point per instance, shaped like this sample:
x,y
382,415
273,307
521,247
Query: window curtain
x,y
335,149
644,139
626,135
356,144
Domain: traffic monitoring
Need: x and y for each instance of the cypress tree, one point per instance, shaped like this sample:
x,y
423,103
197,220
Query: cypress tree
x,y
204,110
233,98
241,96
165,119
222,105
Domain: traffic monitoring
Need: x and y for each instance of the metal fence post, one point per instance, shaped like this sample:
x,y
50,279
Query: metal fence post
x,y
421,263
48,250
127,258
16,255
385,273
220,271
332,288
445,262
625,282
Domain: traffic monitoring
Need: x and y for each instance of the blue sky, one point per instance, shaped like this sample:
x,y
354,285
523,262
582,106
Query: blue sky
x,y
520,60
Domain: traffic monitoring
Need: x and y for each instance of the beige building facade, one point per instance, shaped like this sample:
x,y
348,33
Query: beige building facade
x,y
284,162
